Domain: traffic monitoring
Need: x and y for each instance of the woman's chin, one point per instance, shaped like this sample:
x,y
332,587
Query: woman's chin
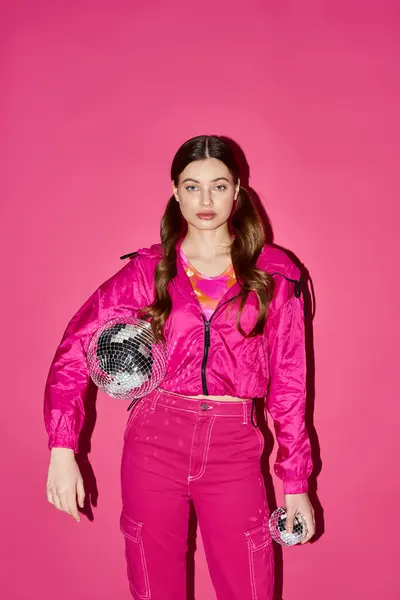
x,y
207,224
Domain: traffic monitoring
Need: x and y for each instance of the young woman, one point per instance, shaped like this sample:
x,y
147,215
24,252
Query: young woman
x,y
230,309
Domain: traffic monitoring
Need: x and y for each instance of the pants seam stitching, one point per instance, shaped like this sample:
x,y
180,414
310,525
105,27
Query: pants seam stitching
x,y
191,453
206,450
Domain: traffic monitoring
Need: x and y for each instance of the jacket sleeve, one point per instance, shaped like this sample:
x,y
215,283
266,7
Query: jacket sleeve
x,y
68,378
286,398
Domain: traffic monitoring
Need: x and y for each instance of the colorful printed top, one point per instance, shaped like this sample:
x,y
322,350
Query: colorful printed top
x,y
209,290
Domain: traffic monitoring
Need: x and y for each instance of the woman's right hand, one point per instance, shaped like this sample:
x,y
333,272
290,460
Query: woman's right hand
x,y
64,482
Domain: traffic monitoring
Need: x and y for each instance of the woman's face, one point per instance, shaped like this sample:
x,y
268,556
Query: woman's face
x,y
206,193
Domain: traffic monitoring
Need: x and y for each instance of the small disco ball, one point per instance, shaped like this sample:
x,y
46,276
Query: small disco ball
x,y
125,359
277,528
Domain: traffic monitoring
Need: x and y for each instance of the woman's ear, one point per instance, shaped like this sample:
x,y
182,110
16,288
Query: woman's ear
x,y
237,189
175,192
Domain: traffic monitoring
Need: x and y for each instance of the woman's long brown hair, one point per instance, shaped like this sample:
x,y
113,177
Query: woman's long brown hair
x,y
244,224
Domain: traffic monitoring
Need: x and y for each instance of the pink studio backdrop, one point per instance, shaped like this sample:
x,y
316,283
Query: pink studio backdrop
x,y
96,98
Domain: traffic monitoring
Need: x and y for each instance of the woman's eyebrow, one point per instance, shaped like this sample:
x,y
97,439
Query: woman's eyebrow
x,y
213,180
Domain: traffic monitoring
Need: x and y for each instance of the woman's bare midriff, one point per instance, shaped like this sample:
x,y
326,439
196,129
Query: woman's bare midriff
x,y
201,397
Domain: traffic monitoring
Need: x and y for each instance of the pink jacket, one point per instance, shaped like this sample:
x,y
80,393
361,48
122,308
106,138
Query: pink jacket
x,y
204,357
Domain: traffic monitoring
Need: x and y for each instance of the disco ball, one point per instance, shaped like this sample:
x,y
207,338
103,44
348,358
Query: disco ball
x,y
125,359
277,528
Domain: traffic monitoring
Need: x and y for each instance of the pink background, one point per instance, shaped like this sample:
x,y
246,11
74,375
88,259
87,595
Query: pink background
x,y
96,98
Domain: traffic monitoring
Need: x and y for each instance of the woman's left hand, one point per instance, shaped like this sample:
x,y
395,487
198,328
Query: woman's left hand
x,y
300,503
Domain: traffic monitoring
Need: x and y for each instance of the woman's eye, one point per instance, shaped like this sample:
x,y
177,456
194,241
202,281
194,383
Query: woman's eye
x,y
221,187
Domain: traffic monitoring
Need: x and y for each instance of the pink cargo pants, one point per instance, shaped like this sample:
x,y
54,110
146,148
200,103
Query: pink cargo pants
x,y
179,449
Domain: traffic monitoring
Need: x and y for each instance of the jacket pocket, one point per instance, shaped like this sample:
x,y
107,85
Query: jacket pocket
x,y
261,562
135,557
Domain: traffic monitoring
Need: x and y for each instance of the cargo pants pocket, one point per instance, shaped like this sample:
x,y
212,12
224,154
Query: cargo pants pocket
x,y
135,557
261,562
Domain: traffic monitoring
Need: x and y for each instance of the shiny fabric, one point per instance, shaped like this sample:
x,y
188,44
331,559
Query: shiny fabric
x,y
176,451
270,366
209,290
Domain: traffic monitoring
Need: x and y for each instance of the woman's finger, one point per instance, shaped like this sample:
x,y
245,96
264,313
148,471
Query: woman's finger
x,y
72,507
49,494
57,501
307,538
289,520
80,490
310,523
64,501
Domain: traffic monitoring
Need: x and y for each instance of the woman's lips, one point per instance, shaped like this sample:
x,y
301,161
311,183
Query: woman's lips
x,y
206,215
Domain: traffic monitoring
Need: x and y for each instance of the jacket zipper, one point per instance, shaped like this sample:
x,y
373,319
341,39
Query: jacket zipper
x,y
205,355
207,339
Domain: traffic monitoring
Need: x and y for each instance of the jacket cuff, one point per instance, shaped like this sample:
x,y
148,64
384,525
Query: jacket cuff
x,y
63,441
295,487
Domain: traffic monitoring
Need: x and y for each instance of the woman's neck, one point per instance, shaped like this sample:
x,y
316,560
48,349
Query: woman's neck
x,y
207,245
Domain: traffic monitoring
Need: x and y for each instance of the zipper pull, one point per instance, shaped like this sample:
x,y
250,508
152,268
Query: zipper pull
x,y
207,334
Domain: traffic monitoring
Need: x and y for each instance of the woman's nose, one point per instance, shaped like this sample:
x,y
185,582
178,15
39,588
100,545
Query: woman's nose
x,y
206,199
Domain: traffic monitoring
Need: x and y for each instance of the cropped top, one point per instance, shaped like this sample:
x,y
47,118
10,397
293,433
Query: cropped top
x,y
208,289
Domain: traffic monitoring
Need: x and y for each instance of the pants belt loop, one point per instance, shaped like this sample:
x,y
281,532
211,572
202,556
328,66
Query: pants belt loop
x,y
244,405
